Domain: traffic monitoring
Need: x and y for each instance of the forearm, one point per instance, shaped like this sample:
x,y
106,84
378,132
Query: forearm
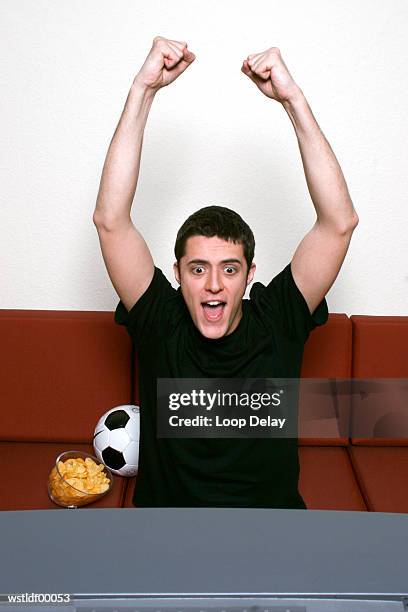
x,y
121,168
324,177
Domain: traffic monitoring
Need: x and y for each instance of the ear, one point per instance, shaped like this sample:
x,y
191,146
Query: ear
x,y
251,273
176,272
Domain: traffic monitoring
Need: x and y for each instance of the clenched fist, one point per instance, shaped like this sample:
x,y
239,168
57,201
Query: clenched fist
x,y
167,59
269,72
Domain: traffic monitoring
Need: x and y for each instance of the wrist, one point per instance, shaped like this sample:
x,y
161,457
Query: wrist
x,y
142,89
296,100
301,116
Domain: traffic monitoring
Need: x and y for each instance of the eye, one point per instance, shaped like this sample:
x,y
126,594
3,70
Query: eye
x,y
197,268
230,269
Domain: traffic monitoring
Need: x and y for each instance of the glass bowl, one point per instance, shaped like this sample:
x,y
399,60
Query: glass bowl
x,y
72,483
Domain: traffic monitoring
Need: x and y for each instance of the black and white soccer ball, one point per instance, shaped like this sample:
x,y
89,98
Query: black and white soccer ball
x,y
116,440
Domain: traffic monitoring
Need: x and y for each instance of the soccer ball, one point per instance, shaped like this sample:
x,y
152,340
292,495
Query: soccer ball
x,y
116,440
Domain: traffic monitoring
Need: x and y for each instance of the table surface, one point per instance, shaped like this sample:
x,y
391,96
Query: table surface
x,y
203,551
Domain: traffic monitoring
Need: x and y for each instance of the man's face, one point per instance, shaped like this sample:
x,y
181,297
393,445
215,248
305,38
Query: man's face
x,y
213,277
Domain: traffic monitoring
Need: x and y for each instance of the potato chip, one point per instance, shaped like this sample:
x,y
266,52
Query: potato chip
x,y
78,480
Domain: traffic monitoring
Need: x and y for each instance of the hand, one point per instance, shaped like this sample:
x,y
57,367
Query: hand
x,y
167,59
269,73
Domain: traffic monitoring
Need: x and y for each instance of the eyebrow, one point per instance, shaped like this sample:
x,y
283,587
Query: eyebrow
x,y
204,261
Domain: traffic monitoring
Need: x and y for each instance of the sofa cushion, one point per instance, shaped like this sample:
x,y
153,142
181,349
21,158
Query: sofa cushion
x,y
327,481
60,371
380,351
382,474
24,483
380,346
130,489
324,418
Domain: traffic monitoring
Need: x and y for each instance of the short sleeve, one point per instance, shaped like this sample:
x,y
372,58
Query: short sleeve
x,y
282,303
148,317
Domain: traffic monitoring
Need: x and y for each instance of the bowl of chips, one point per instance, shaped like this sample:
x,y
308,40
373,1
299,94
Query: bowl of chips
x,y
78,479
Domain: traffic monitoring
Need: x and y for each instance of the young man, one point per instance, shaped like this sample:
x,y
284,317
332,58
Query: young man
x,y
205,329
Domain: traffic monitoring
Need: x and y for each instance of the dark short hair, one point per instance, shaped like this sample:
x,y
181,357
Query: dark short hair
x,y
216,221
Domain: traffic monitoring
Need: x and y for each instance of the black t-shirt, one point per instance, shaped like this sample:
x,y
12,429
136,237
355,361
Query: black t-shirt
x,y
267,343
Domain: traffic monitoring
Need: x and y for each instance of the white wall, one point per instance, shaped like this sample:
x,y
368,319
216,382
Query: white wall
x,y
211,137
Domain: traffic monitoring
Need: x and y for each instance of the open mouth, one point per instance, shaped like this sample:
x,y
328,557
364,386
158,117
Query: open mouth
x,y
213,309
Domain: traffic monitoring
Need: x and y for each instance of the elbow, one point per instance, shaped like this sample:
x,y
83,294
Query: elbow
x,y
95,218
350,224
354,221
105,222
343,226
354,217
101,221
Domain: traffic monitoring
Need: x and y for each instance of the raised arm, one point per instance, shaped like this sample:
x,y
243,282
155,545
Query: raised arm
x,y
125,252
319,256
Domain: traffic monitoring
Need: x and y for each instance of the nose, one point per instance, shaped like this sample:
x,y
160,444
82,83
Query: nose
x,y
214,281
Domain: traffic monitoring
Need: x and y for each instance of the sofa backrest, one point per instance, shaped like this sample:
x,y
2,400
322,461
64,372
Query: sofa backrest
x,y
380,353
324,413
60,371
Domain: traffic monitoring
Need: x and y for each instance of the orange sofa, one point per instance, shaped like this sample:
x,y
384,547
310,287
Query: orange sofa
x,y
61,370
